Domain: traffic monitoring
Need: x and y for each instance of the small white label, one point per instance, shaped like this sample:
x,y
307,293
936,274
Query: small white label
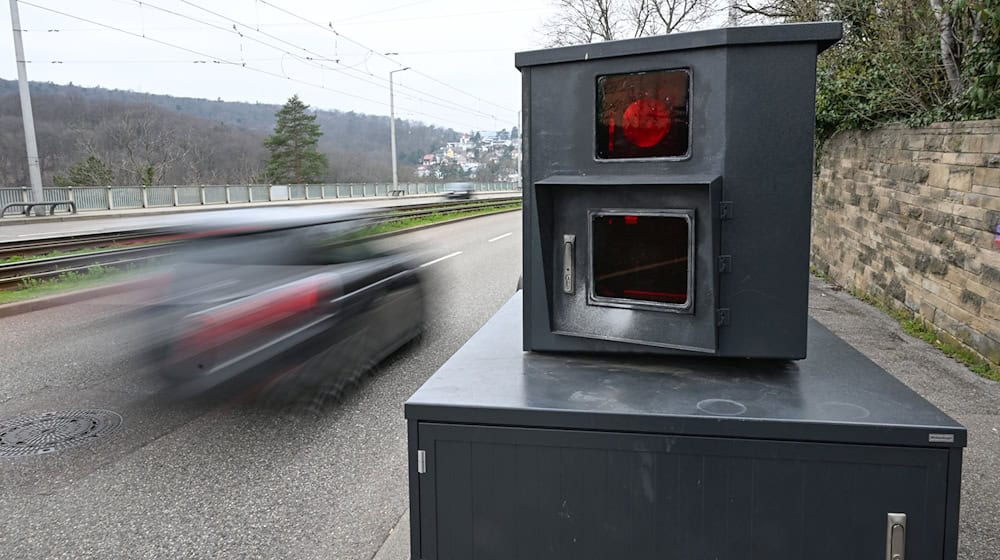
x,y
941,438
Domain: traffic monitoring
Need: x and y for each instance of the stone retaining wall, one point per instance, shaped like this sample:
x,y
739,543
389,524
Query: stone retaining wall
x,y
913,216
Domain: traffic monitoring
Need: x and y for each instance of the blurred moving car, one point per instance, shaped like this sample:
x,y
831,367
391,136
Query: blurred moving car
x,y
291,301
461,190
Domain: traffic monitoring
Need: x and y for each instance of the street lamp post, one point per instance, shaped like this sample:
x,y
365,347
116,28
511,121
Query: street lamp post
x,y
392,128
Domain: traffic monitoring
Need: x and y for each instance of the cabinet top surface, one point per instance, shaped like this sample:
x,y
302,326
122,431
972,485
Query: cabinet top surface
x,y
835,395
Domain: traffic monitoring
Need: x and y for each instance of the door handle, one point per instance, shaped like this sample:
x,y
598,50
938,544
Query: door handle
x,y
569,274
895,537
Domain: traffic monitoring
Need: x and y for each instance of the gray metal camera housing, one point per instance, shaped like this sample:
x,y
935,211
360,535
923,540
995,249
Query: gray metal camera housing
x,y
728,186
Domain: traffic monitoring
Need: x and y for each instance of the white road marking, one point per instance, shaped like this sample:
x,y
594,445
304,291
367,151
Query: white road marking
x,y
499,237
435,261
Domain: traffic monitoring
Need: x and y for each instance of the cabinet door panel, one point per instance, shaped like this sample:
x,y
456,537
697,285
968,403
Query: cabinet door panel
x,y
518,493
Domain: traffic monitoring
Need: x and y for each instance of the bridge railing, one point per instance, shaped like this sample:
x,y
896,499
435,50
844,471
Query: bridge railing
x,y
132,197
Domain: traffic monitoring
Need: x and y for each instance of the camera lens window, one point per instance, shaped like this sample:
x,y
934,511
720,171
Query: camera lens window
x,y
642,257
643,115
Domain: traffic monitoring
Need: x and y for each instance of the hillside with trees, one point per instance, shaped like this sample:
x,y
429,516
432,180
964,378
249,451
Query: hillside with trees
x,y
159,139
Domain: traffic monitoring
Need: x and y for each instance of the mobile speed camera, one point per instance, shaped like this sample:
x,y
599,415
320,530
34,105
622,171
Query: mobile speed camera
x,y
668,184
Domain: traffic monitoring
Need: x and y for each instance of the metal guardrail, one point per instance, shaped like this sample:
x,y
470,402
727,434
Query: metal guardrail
x,y
135,197
25,208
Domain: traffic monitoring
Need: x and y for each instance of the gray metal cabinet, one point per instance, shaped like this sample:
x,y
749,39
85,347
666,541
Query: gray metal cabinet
x,y
523,456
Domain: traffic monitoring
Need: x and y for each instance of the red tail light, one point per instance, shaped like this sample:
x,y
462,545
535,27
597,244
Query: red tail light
x,y
231,321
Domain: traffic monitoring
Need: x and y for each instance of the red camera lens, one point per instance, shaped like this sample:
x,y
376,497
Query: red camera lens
x,y
643,115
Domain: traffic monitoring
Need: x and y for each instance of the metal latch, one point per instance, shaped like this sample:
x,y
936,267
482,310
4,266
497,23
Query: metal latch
x,y
726,210
895,537
725,263
421,461
569,280
722,317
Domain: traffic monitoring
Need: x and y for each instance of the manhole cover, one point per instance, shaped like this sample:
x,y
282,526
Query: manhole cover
x,y
54,431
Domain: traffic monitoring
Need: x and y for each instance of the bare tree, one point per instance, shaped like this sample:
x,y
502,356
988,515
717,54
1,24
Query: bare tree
x,y
675,15
149,144
582,21
586,21
949,45
790,11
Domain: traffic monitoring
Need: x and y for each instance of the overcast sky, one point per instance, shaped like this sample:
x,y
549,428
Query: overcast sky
x,y
461,52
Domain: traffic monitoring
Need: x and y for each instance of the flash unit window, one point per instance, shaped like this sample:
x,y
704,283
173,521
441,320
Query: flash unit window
x,y
643,258
643,115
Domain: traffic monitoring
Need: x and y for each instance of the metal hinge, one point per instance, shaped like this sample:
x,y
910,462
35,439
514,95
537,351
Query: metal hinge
x,y
722,317
421,461
725,263
726,210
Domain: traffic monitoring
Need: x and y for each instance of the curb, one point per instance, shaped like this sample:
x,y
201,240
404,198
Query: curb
x,y
396,545
76,296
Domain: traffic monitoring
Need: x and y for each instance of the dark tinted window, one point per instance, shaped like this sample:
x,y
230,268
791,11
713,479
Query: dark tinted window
x,y
641,257
642,115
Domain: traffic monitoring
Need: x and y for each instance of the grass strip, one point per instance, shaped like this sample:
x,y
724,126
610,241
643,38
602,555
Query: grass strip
x,y
915,326
67,281
57,253
403,223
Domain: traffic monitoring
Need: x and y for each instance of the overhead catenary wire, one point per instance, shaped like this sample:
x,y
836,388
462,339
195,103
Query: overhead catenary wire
x,y
220,60
382,55
382,82
316,60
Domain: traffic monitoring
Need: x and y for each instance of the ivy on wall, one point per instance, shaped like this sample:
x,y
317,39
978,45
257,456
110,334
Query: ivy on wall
x,y
911,61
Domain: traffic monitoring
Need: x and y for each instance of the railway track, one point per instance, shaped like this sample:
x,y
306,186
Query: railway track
x,y
151,244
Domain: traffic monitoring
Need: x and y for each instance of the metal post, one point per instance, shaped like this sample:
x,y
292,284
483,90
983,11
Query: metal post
x,y
520,146
392,127
27,118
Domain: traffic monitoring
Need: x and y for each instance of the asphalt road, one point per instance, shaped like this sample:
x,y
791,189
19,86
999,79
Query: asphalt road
x,y
21,229
192,481
237,480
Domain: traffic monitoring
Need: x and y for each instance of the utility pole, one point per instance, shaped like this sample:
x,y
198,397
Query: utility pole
x,y
734,14
392,127
34,171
